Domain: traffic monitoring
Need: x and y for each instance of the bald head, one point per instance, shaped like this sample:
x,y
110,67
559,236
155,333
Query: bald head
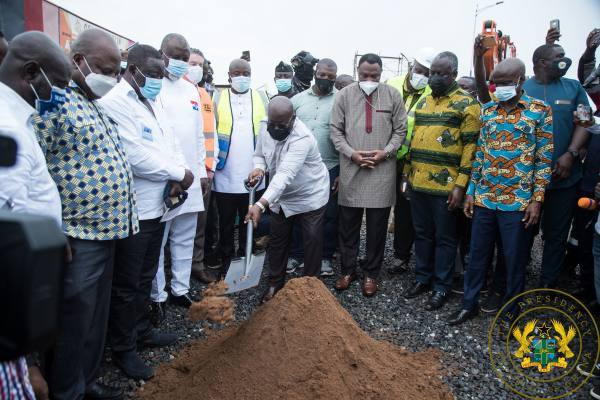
x,y
280,110
509,68
176,47
239,65
95,51
30,56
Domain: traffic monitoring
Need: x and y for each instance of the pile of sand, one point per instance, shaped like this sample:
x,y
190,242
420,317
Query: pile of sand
x,y
302,345
214,306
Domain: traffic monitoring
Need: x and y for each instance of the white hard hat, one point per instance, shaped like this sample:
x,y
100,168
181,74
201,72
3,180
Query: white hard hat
x,y
425,56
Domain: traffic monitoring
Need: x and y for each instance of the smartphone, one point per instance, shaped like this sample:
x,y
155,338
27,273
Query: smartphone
x,y
246,55
584,113
488,41
8,151
555,24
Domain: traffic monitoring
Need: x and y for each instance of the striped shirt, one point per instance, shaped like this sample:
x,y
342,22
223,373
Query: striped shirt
x,y
14,380
444,142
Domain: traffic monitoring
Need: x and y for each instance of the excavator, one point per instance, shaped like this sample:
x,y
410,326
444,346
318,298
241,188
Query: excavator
x,y
500,46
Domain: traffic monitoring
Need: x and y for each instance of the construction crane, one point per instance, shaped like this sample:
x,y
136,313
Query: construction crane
x,y
500,46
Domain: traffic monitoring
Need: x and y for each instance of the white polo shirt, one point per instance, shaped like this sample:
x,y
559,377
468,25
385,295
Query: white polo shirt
x,y
27,186
150,145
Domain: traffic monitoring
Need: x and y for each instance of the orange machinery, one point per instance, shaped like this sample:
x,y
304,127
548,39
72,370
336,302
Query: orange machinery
x,y
500,46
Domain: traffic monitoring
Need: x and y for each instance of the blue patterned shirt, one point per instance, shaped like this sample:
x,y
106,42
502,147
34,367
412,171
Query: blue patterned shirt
x,y
87,161
513,157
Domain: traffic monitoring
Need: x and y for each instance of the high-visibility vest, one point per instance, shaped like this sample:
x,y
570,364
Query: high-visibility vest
x,y
398,84
225,121
208,117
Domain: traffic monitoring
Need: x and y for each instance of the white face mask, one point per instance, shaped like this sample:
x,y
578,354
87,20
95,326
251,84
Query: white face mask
x,y
368,86
505,93
99,84
240,84
194,74
418,81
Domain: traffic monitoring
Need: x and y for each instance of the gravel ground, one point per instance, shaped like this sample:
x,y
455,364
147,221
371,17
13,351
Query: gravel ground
x,y
386,316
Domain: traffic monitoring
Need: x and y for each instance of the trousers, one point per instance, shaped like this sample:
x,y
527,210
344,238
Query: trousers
x,y
180,232
76,356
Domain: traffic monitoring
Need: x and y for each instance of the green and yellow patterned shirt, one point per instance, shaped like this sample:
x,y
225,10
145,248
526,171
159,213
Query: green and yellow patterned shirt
x,y
444,141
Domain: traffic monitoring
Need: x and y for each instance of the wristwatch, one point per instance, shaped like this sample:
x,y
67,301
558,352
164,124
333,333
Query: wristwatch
x,y
573,152
260,205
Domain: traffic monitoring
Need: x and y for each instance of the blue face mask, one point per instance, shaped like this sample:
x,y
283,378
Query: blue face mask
x,y
505,93
283,85
56,100
151,88
177,68
240,84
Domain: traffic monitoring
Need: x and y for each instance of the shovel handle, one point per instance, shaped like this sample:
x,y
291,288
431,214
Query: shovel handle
x,y
249,229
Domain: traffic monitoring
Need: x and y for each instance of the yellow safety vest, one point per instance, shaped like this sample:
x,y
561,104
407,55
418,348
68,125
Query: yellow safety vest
x,y
225,121
398,83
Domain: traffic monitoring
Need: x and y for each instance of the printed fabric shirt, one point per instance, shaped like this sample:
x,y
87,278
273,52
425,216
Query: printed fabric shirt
x,y
444,142
86,160
514,155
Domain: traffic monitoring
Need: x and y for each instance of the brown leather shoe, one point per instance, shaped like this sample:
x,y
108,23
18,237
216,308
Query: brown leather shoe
x,y
344,281
369,286
205,275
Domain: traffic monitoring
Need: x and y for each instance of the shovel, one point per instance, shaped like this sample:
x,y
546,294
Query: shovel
x,y
244,273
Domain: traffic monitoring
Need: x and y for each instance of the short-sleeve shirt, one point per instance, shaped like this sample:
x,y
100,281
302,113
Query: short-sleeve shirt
x,y
563,95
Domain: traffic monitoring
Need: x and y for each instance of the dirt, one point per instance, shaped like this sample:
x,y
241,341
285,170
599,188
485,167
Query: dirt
x,y
214,306
301,345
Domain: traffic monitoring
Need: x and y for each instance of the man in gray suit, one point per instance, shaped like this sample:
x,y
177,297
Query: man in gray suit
x,y
368,125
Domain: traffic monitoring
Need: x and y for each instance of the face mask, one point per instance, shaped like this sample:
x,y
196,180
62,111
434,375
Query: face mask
x,y
123,64
561,66
505,93
438,85
368,86
177,68
99,84
325,85
283,85
240,84
280,133
418,81
195,73
56,100
151,88
305,73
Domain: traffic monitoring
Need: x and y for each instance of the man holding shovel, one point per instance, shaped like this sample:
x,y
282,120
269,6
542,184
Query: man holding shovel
x,y
298,191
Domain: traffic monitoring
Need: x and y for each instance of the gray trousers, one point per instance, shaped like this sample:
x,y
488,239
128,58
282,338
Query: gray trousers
x,y
76,356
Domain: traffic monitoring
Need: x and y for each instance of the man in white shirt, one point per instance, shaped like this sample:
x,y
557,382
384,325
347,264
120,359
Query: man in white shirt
x,y
298,191
34,69
238,111
30,74
156,160
181,102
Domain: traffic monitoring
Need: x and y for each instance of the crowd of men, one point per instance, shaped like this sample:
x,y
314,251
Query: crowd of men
x,y
145,166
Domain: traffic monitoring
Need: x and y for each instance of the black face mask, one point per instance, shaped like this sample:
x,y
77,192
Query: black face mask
x,y
305,73
561,66
280,133
325,85
438,85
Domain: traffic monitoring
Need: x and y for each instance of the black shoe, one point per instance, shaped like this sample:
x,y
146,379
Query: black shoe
x,y
436,300
185,300
270,293
157,313
101,391
416,290
133,366
461,316
398,267
492,302
595,391
157,339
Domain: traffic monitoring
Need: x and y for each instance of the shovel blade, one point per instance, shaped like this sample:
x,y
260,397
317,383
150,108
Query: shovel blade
x,y
235,278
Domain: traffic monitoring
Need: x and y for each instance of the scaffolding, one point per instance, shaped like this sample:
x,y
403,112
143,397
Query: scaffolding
x,y
392,66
